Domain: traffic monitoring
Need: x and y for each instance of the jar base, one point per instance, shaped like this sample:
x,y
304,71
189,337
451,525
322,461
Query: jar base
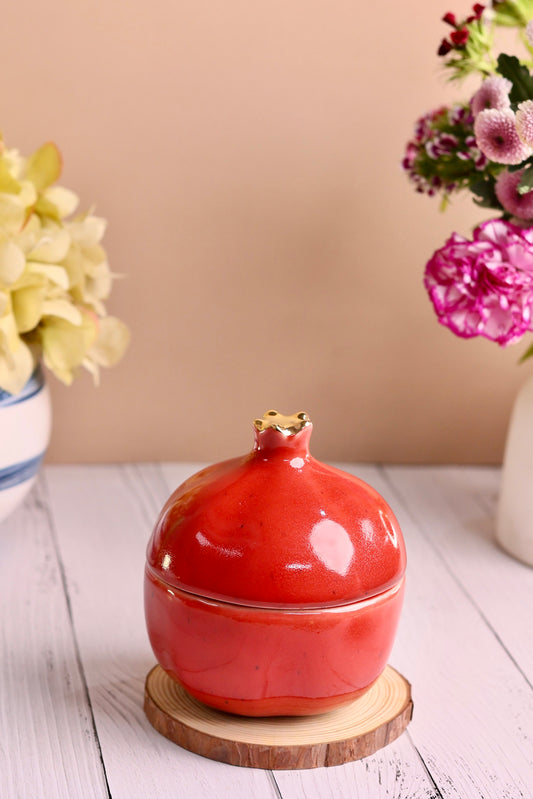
x,y
347,733
275,705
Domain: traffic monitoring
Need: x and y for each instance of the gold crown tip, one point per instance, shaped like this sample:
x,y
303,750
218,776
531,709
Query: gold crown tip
x,y
288,425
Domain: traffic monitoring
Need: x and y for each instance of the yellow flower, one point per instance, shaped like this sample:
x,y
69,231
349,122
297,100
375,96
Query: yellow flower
x,y
64,345
54,275
12,261
109,347
16,361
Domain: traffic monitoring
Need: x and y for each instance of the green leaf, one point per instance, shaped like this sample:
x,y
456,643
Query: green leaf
x,y
510,67
512,13
485,195
506,19
526,181
521,165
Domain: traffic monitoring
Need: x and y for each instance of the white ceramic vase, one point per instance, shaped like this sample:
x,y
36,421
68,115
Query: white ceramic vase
x,y
514,523
25,425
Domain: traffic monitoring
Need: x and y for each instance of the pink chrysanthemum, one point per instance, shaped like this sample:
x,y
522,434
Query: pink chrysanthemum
x,y
497,137
524,122
519,205
493,93
484,287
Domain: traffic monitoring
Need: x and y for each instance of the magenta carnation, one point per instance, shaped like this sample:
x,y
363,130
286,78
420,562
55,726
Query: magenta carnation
x,y
516,204
497,137
484,287
493,93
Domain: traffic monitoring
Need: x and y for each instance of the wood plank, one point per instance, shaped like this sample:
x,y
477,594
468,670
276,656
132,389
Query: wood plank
x,y
47,741
393,773
462,503
473,724
104,516
396,771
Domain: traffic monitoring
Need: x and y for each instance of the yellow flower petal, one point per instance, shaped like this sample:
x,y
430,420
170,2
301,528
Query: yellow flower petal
x,y
8,331
98,286
15,368
65,345
12,262
46,209
93,256
28,194
113,339
12,213
8,183
64,309
88,230
27,279
15,161
28,307
92,368
52,247
57,274
44,166
27,238
63,199
73,265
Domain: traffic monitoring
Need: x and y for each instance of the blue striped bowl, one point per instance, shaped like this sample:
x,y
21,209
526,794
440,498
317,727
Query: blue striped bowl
x,y
25,424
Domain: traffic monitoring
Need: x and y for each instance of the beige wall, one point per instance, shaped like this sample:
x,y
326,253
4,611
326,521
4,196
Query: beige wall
x,y
246,155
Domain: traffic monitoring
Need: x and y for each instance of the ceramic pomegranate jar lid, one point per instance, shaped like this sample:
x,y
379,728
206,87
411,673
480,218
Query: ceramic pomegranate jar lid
x,y
277,528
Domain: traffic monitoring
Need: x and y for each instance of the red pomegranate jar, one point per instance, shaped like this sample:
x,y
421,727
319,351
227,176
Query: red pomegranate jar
x,y
274,582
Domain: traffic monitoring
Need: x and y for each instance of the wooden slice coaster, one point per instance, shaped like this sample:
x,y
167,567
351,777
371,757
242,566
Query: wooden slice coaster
x,y
329,739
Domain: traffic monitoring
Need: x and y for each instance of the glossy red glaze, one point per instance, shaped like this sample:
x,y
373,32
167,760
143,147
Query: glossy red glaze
x,y
262,662
277,528
274,582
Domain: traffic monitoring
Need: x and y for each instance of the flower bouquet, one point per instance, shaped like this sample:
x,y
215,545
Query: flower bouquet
x,y
483,286
54,276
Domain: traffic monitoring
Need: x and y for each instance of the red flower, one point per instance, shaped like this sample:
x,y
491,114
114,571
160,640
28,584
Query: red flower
x,y
445,47
460,37
450,19
478,11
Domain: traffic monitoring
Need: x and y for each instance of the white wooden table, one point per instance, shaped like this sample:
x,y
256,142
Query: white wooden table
x,y
74,652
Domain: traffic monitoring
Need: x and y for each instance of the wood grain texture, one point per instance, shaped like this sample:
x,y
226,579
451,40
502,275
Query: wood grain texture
x,y
104,516
47,739
73,646
392,773
329,739
461,673
461,503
